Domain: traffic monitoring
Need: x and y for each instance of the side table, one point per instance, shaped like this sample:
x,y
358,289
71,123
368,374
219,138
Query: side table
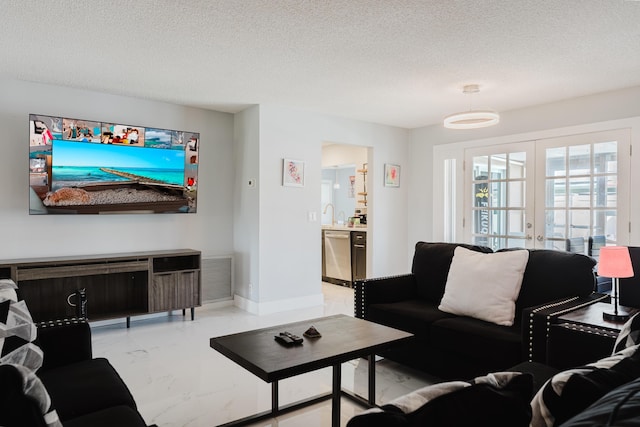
x,y
582,336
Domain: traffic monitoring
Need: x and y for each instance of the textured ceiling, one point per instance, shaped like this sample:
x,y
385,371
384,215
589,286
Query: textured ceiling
x,y
396,62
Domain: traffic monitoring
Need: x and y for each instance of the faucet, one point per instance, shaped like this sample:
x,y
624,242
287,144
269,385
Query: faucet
x,y
333,213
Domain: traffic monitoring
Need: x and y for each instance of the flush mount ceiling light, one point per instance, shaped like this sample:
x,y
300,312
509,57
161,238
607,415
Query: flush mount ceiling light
x,y
471,119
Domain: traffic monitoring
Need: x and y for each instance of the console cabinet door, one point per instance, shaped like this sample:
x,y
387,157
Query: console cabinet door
x,y
188,290
173,291
162,292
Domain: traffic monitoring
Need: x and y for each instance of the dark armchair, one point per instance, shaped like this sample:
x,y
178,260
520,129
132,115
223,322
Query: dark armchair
x,y
84,391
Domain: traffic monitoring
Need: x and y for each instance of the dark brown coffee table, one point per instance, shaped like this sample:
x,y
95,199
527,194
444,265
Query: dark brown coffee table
x,y
343,338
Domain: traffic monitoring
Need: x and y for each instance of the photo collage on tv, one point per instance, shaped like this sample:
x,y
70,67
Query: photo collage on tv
x,y
72,153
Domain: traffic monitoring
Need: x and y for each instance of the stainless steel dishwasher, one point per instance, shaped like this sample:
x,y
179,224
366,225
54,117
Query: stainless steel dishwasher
x,y
337,246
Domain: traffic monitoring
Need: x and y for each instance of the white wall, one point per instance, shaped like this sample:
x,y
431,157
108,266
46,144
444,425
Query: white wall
x,y
610,110
246,207
421,188
340,154
289,244
210,230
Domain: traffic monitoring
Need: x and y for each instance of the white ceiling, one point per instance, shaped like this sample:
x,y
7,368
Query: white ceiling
x,y
396,62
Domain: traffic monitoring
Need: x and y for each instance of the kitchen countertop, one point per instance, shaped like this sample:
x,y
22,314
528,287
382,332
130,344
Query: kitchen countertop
x,y
361,227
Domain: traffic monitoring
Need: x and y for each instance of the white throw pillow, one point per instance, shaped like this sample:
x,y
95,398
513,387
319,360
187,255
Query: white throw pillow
x,y
484,286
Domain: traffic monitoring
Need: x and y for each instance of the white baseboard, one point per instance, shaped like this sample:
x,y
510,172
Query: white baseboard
x,y
217,304
262,308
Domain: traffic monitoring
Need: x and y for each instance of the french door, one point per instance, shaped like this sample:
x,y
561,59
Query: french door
x,y
500,209
539,194
583,188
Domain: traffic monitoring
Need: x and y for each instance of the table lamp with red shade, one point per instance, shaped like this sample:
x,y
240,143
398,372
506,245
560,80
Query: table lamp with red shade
x,y
615,263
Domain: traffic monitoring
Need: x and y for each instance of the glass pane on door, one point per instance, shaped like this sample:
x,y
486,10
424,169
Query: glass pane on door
x,y
605,157
556,194
516,194
579,192
480,167
579,159
517,165
498,199
556,162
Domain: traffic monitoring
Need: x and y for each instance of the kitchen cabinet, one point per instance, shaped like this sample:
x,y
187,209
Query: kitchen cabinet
x,y
358,255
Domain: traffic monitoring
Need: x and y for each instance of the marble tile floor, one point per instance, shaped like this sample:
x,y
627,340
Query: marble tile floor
x,y
177,380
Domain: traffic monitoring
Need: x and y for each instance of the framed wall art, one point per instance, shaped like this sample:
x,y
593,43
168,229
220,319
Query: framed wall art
x,y
292,173
391,175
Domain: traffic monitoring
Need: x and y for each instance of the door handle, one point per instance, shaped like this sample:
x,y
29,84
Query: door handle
x,y
539,238
529,237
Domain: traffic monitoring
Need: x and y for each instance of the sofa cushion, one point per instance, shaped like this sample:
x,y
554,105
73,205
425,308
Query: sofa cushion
x,y
120,416
484,286
499,347
551,275
413,316
431,263
500,399
620,407
84,387
570,392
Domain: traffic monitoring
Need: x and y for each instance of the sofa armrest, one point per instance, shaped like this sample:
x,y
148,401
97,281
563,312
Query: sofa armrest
x,y
564,338
382,290
536,322
64,342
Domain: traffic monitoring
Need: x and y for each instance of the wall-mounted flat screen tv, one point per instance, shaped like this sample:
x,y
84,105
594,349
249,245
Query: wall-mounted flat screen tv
x,y
88,167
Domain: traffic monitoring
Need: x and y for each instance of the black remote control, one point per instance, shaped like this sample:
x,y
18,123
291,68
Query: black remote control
x,y
288,339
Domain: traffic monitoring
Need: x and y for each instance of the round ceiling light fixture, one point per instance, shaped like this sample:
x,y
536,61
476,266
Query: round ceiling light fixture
x,y
471,119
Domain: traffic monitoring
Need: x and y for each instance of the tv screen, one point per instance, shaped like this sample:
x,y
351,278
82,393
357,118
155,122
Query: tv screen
x,y
88,167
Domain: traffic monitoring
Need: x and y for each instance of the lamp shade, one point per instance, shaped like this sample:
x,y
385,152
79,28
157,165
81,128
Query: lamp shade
x,y
615,262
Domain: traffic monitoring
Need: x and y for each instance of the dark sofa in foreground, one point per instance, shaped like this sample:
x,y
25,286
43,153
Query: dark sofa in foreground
x,y
48,376
604,392
457,346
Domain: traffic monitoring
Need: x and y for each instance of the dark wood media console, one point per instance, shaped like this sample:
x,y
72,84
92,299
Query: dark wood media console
x,y
117,285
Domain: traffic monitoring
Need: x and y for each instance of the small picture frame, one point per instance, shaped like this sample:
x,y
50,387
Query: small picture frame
x,y
292,173
391,175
